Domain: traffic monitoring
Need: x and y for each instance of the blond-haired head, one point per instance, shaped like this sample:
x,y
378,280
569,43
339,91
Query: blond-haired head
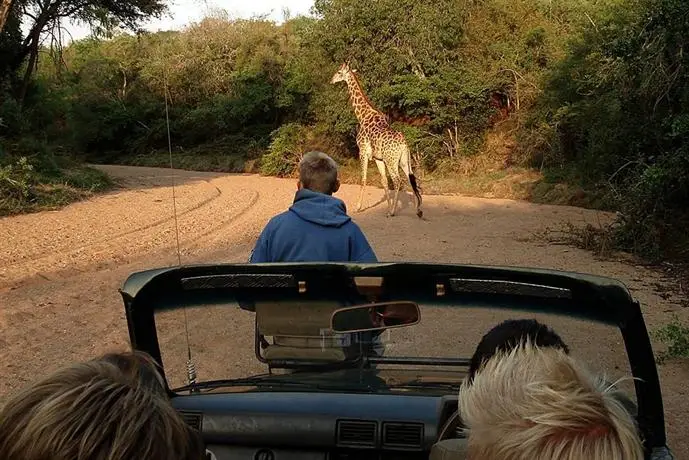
x,y
111,408
534,403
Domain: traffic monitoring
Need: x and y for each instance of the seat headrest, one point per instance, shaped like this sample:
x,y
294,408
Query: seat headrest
x,y
303,318
449,449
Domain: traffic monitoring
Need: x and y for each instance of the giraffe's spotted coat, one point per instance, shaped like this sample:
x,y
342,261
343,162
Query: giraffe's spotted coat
x,y
377,140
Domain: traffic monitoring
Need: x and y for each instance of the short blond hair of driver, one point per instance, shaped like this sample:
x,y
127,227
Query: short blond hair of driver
x,y
534,403
95,410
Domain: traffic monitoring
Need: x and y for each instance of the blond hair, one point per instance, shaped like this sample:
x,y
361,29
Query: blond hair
x,y
97,410
534,403
139,368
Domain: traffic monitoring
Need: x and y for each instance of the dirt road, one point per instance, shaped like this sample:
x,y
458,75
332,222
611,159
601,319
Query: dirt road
x,y
59,271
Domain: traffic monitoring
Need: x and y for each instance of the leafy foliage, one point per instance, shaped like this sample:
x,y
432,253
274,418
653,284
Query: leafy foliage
x,y
676,336
226,78
16,180
616,108
285,151
33,177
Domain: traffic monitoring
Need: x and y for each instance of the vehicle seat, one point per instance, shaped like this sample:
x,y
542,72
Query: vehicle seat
x,y
301,330
449,449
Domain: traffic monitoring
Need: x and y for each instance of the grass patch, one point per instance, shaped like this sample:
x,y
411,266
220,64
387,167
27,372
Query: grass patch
x,y
565,186
41,181
676,337
483,175
73,184
230,155
510,183
564,194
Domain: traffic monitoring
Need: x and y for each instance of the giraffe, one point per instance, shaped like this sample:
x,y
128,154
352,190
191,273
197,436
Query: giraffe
x,y
378,141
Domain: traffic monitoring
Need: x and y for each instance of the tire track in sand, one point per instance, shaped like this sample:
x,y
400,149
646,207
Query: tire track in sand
x,y
51,253
195,224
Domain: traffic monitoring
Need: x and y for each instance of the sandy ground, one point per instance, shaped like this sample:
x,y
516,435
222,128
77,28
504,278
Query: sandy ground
x,y
60,271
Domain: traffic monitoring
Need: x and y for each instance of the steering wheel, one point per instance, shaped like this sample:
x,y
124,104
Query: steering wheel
x,y
449,429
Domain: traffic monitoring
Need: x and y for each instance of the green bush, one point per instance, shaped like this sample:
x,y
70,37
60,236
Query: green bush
x,y
33,178
615,108
676,336
285,151
16,180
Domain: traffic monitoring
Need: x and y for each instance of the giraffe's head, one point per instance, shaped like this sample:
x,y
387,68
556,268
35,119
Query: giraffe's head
x,y
342,73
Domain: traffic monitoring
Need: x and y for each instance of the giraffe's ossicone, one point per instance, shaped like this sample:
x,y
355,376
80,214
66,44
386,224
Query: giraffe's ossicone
x,y
377,140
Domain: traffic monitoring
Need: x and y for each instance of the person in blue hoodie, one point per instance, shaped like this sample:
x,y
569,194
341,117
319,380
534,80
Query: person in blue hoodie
x,y
316,228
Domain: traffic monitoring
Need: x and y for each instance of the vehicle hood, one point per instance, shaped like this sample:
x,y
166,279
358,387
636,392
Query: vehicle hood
x,y
429,382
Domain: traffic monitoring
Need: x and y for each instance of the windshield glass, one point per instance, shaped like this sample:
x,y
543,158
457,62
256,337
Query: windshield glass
x,y
221,340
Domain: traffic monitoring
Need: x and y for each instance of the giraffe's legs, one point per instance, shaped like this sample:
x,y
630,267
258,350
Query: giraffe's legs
x,y
405,165
394,174
365,154
384,180
364,173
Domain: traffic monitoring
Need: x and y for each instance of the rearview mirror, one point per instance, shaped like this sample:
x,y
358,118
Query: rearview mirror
x,y
375,316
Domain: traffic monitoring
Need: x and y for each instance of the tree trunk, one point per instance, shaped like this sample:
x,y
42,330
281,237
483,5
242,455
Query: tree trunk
x,y
31,66
32,40
5,6
32,45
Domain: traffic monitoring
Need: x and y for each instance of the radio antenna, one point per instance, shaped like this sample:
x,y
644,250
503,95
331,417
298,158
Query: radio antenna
x,y
172,173
191,368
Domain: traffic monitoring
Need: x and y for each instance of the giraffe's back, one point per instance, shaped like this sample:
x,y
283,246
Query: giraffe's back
x,y
387,143
390,139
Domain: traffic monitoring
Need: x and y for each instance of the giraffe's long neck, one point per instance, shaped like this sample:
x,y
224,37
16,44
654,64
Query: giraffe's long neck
x,y
360,102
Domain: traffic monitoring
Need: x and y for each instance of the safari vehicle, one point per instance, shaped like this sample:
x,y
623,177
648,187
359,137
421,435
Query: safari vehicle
x,y
324,392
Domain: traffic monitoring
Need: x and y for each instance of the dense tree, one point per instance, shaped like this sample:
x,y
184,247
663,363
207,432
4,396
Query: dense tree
x,y
616,112
103,15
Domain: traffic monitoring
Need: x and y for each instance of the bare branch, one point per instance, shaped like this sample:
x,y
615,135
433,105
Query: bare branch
x,y
25,12
591,21
517,74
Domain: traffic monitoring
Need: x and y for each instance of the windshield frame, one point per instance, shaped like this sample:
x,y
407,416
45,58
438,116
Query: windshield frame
x,y
599,299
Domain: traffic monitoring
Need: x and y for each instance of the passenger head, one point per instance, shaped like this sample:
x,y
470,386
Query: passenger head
x,y
318,172
110,408
139,368
533,403
507,335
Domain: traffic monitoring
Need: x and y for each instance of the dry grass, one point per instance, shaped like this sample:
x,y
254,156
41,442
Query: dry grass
x,y
483,175
598,239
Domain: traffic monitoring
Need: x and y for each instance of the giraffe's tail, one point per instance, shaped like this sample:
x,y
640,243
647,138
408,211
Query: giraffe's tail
x,y
406,167
412,181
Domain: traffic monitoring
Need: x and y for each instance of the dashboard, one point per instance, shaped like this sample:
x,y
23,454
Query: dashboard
x,y
289,425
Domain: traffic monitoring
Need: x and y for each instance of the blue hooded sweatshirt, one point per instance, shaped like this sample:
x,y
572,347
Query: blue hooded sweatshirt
x,y
316,228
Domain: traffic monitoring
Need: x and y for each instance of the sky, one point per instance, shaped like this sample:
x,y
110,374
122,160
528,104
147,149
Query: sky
x,y
183,12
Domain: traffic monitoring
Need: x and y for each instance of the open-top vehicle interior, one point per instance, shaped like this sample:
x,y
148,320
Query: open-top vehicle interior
x,y
333,383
